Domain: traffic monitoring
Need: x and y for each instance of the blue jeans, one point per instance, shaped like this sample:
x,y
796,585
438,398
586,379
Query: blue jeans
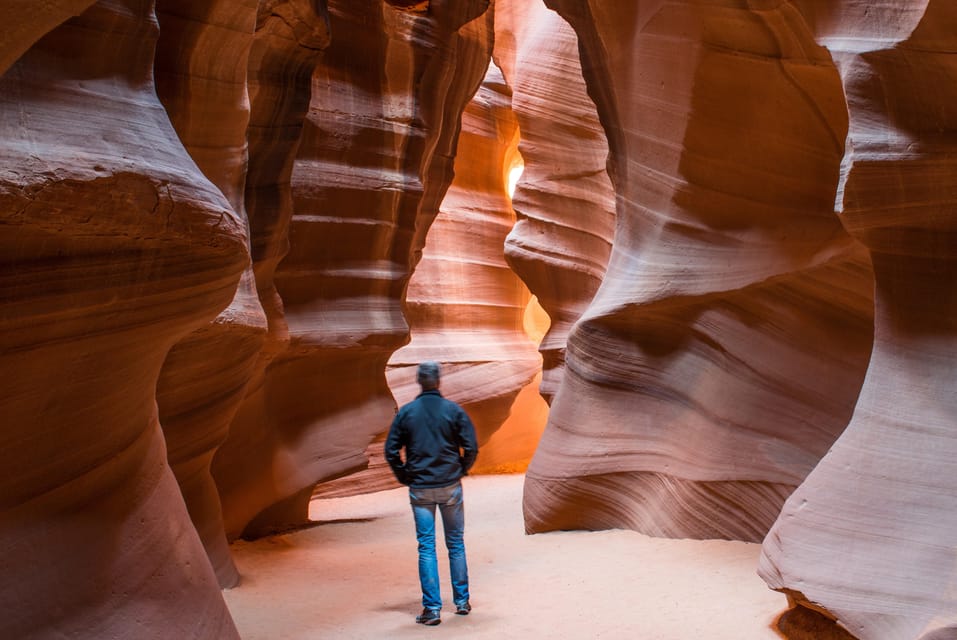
x,y
449,501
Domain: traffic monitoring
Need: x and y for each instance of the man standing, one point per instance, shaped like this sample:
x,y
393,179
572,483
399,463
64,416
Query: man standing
x,y
440,448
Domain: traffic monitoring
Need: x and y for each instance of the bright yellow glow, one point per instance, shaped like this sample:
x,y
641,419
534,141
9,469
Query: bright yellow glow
x,y
514,175
536,321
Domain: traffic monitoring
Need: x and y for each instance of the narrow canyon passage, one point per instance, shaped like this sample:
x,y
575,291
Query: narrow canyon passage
x,y
353,575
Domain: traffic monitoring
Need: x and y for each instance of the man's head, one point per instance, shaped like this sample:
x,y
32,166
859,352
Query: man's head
x,y
428,375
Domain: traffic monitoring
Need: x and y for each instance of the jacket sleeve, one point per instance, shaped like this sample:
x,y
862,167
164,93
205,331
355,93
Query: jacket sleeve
x,y
393,445
467,440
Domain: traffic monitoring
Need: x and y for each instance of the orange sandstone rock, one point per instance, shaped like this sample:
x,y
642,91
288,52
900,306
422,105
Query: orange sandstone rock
x,y
374,162
564,201
204,378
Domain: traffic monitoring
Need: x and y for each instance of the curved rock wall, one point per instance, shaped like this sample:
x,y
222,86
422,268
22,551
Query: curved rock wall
x,y
465,306
205,375
290,36
24,22
115,246
868,539
374,163
564,201
724,351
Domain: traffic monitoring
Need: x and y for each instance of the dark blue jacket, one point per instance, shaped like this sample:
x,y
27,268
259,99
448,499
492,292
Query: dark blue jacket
x,y
439,441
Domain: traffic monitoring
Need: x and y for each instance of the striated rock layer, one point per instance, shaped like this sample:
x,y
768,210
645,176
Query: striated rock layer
x,y
564,201
466,308
373,165
289,38
204,377
114,247
724,351
869,538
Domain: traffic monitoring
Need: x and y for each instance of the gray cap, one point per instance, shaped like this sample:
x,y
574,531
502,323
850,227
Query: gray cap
x,y
428,374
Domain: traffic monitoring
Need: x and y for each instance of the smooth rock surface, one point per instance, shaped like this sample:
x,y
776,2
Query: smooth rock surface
x,y
114,246
724,351
564,200
869,538
290,36
205,375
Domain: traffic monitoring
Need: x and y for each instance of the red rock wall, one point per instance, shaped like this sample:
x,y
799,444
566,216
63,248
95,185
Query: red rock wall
x,y
374,163
25,21
205,375
115,246
290,36
868,539
724,351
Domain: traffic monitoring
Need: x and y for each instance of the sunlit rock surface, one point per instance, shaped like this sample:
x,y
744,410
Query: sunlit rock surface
x,y
205,375
114,247
869,539
465,306
724,351
373,165
564,199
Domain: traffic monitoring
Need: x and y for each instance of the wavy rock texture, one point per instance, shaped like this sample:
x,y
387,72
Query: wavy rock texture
x,y
373,165
114,246
724,351
466,308
565,201
205,375
289,38
869,538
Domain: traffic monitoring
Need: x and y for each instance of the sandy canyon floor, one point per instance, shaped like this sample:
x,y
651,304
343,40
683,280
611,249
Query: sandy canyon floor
x,y
353,575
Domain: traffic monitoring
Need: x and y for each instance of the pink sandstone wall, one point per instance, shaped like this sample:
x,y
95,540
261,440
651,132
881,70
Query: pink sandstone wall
x,y
869,538
219,221
289,40
723,353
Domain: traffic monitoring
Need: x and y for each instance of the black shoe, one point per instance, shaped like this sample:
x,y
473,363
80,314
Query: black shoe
x,y
429,617
463,609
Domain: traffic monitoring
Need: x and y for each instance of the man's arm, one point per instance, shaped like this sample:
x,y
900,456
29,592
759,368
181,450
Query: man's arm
x,y
393,445
467,440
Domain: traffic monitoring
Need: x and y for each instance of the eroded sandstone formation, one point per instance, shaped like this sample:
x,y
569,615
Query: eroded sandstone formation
x,y
564,200
115,246
465,306
290,37
723,353
373,165
204,377
869,538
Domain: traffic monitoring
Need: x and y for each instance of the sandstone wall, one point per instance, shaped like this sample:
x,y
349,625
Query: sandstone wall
x,y
115,246
464,304
204,377
289,38
564,201
373,165
723,353
868,539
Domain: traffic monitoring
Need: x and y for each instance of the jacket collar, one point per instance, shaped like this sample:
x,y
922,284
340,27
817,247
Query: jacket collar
x,y
430,392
